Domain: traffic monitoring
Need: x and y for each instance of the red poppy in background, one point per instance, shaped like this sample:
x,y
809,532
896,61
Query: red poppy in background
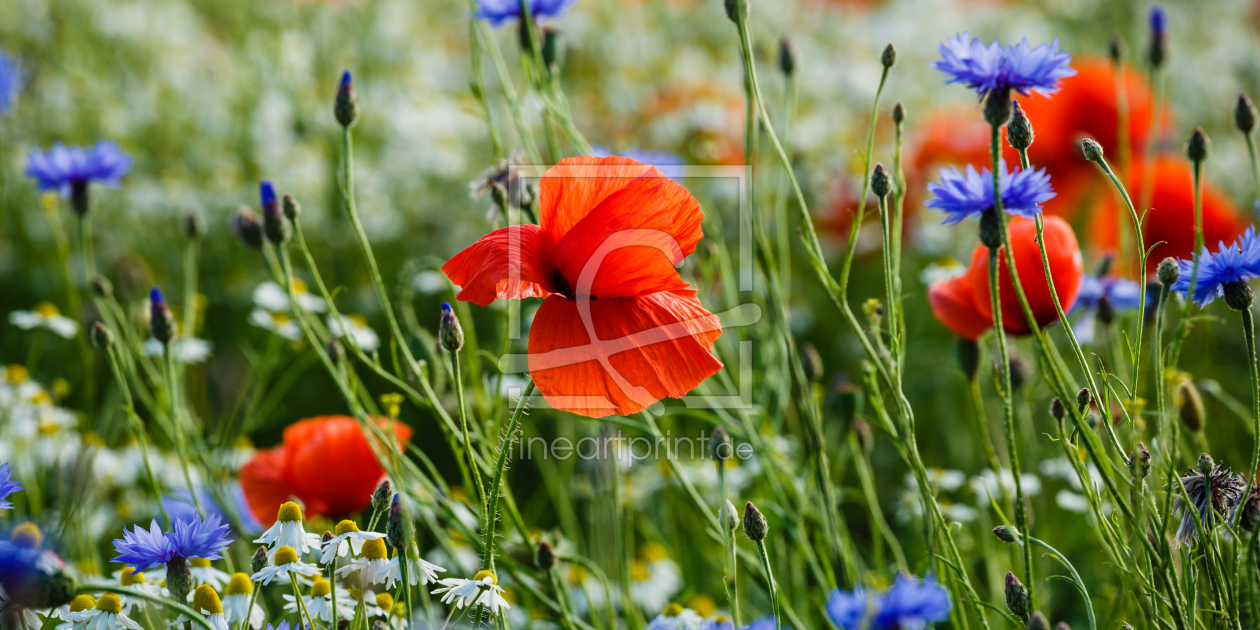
x,y
326,462
963,303
619,329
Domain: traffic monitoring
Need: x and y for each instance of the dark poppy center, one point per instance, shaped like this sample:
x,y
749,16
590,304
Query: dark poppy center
x,y
561,284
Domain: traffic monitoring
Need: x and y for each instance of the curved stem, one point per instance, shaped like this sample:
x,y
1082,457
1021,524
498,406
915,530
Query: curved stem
x,y
774,590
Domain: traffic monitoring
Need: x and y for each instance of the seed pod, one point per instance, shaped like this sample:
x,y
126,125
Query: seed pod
x,y
346,105
1245,114
450,334
1016,596
889,57
1020,131
1197,146
545,556
1168,271
720,447
755,525
1189,406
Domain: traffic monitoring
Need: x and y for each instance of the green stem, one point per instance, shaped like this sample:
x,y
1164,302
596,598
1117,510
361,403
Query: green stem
x,y
138,427
298,604
1255,162
499,465
468,447
177,433
1249,333
774,589
733,592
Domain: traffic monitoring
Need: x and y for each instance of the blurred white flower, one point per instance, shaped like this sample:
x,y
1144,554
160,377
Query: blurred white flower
x,y
430,282
654,577
45,315
278,322
272,297
358,328
186,350
985,485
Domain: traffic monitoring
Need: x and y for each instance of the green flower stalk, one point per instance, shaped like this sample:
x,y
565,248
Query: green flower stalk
x,y
756,528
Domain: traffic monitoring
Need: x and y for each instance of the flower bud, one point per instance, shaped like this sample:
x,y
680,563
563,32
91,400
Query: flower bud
x,y
161,321
450,334
755,525
194,225
899,113
326,538
382,496
865,437
737,10
179,579
1038,621
811,363
397,527
248,227
1062,626
259,560
728,518
1189,406
990,229
1083,399
545,557
1249,513
1092,150
1021,370
720,447
1115,49
1005,533
1197,146
291,207
1205,464
1157,51
787,57
552,49
346,106
880,181
1057,409
1168,271
1245,114
101,286
889,57
1238,295
968,354
1016,596
275,225
1140,463
997,107
80,198
102,337
1020,131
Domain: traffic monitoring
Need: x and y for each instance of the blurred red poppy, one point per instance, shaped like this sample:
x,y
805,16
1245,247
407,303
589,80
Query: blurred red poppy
x,y
954,303
1066,266
326,462
619,329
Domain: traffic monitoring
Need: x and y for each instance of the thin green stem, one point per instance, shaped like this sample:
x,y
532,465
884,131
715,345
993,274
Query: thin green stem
x,y
1249,333
298,604
1255,163
500,463
177,433
774,589
138,428
474,469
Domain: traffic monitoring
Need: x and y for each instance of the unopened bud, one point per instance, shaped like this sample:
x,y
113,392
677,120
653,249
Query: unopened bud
x,y
1020,131
1115,49
1189,406
259,560
1038,621
967,352
1168,271
1057,409
1062,625
194,225
1005,533
397,527
881,183
291,207
101,286
811,363
552,49
102,337
161,321
737,10
787,57
1140,463
382,497
1249,514
1092,150
899,113
1157,51
1016,596
1197,146
728,518
1245,114
755,525
720,447
545,556
248,227
275,225
1083,399
346,106
326,538
889,57
450,334
1205,464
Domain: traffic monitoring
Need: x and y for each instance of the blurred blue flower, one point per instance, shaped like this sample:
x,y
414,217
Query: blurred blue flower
x,y
7,486
62,167
961,195
1121,294
10,81
1158,21
668,163
1021,67
500,12
181,507
149,549
1238,262
909,604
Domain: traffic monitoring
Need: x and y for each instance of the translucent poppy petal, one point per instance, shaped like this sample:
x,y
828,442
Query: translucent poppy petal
x,y
262,479
954,304
506,263
1066,266
330,463
572,188
644,348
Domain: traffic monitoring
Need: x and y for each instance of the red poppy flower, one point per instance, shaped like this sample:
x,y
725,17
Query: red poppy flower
x,y
954,303
619,329
326,462
1064,255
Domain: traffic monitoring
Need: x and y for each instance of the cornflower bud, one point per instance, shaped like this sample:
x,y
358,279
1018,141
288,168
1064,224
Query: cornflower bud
x,y
1038,621
248,227
102,337
1057,409
728,518
1157,51
1189,406
1020,131
1005,533
1168,271
1115,49
811,363
194,225
545,557
899,113
346,106
1140,463
1016,596
1092,150
397,527
259,560
787,57
1249,513
737,10
880,181
1245,114
968,354
291,207
1062,626
755,525
101,286
1197,146
450,334
275,225
889,57
161,321
991,229
1238,295
997,107
720,445
382,496
552,49
1083,399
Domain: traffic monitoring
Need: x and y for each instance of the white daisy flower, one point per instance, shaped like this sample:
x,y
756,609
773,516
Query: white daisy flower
x,y
347,537
419,571
483,589
17,617
289,532
369,599
206,602
236,602
278,322
373,561
188,350
206,574
274,298
106,615
319,603
284,563
45,315
654,577
675,617
79,604
129,579
356,326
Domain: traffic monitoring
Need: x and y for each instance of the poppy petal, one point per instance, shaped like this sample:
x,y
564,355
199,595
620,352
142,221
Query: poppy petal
x,y
1066,266
648,347
262,479
954,304
504,264
573,188
632,241
331,465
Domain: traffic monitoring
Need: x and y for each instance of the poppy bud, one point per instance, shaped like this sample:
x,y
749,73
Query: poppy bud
x,y
889,56
1189,406
880,182
1197,146
382,496
1020,131
720,445
552,49
274,224
1140,463
1245,114
1168,271
1115,49
194,225
259,560
450,334
862,430
1005,533
967,352
102,337
1038,621
545,557
1249,514
1057,409
1238,295
179,579
1156,53
755,525
811,363
737,10
728,518
336,351
346,106
1016,596
990,229
1092,150
248,227
101,286
291,207
899,113
161,321
1083,398
79,197
787,57
397,527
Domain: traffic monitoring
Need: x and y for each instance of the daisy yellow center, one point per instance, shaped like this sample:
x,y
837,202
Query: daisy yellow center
x,y
280,318
400,609
82,603
206,599
638,571
109,603
321,588
345,527
285,555
652,551
673,610
385,601
199,562
130,576
702,604
290,512
299,286
16,374
355,594
27,535
721,619
47,309
239,585
481,575
577,575
374,549
358,320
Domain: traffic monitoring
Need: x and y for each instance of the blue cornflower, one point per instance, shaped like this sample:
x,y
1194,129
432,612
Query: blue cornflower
x,y
1159,21
62,168
500,12
1104,296
961,195
7,486
10,81
909,604
1021,67
1239,262
144,550
668,163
